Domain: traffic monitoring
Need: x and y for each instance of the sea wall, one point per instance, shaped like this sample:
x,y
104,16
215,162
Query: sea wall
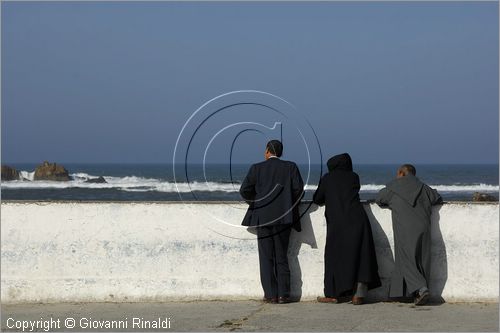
x,y
111,251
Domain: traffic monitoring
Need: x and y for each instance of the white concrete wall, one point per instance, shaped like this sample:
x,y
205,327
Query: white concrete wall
x,y
75,251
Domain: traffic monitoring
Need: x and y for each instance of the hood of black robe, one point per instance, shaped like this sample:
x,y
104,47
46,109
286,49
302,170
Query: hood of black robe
x,y
340,162
407,187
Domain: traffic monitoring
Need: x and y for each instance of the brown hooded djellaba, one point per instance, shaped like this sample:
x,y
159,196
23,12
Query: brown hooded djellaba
x,y
350,252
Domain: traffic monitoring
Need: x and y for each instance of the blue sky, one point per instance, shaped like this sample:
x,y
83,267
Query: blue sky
x,y
115,82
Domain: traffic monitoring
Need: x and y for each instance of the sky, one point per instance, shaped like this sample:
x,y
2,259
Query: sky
x,y
116,82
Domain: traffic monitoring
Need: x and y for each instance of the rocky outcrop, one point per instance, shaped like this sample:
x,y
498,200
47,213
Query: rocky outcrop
x,y
9,173
477,196
51,171
99,180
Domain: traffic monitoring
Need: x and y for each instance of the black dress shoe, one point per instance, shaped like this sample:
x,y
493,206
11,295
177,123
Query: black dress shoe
x,y
272,300
284,300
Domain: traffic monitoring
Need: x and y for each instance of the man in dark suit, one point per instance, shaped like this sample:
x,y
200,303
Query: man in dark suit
x,y
273,190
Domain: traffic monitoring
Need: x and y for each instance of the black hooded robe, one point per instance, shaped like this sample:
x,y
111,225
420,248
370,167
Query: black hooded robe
x,y
350,252
411,203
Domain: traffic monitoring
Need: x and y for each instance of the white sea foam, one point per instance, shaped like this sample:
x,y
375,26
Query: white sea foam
x,y
141,184
443,188
466,188
27,175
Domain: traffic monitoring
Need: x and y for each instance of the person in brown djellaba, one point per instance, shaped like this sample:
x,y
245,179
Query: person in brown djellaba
x,y
351,267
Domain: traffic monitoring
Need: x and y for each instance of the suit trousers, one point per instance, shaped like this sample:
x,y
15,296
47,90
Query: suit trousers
x,y
273,259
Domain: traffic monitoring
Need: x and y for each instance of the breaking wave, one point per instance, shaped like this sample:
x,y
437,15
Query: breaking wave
x,y
141,184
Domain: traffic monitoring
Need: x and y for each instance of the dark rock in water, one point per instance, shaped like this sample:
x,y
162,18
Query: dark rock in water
x,y
99,180
9,173
483,197
51,171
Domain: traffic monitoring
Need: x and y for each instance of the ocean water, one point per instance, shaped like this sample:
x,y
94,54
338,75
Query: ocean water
x,y
155,182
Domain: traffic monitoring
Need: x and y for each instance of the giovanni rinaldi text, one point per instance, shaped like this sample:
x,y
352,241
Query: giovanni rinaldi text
x,y
86,323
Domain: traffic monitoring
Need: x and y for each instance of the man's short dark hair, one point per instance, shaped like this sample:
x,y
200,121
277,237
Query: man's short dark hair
x,y
408,168
275,147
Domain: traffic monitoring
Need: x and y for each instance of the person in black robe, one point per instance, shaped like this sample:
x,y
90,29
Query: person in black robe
x,y
350,260
273,189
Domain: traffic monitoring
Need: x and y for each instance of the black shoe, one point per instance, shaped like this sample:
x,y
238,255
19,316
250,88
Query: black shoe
x,y
284,300
272,300
422,298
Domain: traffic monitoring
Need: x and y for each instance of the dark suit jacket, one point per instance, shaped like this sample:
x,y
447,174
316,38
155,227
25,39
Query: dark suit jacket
x,y
272,189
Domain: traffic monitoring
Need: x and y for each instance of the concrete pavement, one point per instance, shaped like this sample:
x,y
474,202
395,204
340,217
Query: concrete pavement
x,y
251,316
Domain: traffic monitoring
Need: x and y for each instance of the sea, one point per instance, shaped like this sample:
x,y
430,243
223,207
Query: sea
x,y
220,182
